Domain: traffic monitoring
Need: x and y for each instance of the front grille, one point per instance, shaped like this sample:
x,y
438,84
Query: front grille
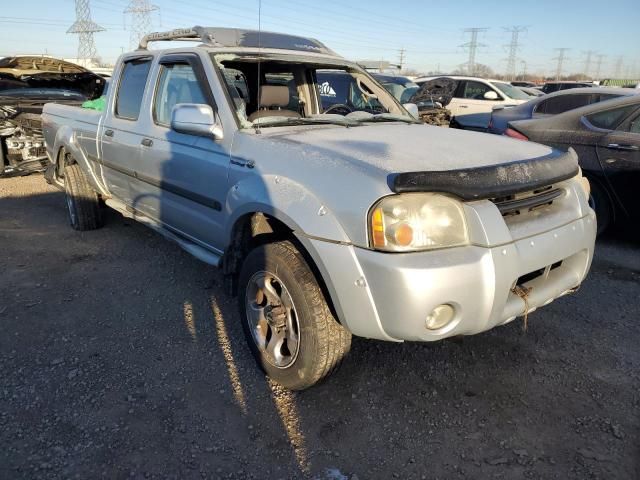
x,y
526,201
537,273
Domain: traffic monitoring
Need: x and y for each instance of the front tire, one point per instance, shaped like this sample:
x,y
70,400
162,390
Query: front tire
x,y
286,320
83,203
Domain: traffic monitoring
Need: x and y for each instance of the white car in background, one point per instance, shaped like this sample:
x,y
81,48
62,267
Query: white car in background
x,y
474,98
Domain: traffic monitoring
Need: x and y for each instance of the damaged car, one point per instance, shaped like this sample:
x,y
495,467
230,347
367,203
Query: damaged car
x,y
26,84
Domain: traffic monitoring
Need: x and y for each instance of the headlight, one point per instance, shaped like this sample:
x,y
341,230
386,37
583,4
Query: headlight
x,y
417,221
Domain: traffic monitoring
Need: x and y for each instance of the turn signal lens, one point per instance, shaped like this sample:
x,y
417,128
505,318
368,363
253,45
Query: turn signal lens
x,y
377,228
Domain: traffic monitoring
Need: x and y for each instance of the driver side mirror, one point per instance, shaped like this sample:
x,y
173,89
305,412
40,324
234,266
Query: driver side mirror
x,y
196,119
412,108
490,95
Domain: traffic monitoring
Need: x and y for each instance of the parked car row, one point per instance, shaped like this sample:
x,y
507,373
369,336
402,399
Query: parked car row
x,y
330,208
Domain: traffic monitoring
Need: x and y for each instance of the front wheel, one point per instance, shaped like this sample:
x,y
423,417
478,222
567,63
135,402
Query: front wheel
x,y
286,320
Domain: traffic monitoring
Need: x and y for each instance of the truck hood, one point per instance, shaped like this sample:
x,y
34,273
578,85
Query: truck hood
x,y
416,158
395,148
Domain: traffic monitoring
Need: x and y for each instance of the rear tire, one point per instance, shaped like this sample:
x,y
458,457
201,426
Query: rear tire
x,y
288,325
83,203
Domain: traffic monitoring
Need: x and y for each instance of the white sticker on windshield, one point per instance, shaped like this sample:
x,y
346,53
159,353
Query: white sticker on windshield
x,y
326,90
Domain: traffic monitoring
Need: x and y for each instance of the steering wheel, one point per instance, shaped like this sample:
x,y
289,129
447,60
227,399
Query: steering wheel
x,y
340,107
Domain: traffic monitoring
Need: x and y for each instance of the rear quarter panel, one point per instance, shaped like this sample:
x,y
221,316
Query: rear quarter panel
x,y
75,130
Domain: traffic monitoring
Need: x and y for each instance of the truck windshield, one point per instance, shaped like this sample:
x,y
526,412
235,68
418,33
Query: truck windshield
x,y
284,92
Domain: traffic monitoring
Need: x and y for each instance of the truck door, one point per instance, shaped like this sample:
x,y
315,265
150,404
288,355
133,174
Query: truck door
x,y
619,154
181,178
121,133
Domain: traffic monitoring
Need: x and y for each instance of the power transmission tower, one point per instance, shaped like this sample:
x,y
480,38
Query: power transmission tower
x,y
587,62
84,27
401,59
561,59
516,30
140,11
472,46
599,60
618,67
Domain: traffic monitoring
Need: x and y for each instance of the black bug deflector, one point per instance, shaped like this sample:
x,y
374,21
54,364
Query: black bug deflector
x,y
491,181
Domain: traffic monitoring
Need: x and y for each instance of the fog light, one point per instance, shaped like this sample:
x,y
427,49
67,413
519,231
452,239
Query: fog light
x,y
439,317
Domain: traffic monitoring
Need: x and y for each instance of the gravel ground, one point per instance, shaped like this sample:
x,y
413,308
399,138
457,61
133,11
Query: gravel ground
x,y
122,357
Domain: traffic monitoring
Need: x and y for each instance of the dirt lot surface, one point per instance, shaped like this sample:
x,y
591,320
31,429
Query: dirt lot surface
x,y
122,357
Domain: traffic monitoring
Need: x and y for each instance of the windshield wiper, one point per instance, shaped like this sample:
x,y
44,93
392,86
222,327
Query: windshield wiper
x,y
388,117
287,121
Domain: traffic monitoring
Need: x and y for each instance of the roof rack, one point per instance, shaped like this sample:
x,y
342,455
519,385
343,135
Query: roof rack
x,y
177,34
234,37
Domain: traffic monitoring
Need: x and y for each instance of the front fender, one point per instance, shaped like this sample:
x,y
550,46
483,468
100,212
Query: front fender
x,y
288,201
66,138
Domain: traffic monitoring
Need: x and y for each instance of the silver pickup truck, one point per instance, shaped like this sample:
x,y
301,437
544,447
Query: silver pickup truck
x,y
353,220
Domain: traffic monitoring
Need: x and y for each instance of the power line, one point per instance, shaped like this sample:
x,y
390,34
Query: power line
x,y
84,27
472,47
561,58
140,11
516,30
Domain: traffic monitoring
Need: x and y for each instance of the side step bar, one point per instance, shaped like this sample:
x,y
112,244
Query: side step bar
x,y
203,254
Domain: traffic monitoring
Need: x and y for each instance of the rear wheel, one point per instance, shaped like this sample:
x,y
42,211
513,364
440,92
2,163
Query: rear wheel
x,y
83,203
286,320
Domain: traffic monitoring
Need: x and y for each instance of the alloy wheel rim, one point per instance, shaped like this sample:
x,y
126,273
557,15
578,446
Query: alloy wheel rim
x,y
272,319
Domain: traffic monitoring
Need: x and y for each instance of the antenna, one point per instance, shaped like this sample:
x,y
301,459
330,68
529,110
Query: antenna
x,y
259,56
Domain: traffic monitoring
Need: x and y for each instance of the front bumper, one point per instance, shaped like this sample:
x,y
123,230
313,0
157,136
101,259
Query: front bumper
x,y
388,295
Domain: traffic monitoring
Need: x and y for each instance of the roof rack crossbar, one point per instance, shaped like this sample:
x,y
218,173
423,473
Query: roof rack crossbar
x,y
177,34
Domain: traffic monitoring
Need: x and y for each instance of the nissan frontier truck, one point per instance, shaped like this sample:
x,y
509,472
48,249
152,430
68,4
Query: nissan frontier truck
x,y
352,220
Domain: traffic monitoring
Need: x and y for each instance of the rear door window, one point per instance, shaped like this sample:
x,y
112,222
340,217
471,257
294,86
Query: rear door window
x,y
563,103
131,89
610,119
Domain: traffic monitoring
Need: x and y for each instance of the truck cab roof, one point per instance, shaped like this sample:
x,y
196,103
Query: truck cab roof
x,y
222,39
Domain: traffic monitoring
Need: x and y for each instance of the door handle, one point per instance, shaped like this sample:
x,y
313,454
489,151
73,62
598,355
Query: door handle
x,y
617,146
108,133
147,142
463,106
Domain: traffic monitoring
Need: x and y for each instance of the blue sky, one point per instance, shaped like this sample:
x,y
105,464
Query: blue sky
x,y
431,32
